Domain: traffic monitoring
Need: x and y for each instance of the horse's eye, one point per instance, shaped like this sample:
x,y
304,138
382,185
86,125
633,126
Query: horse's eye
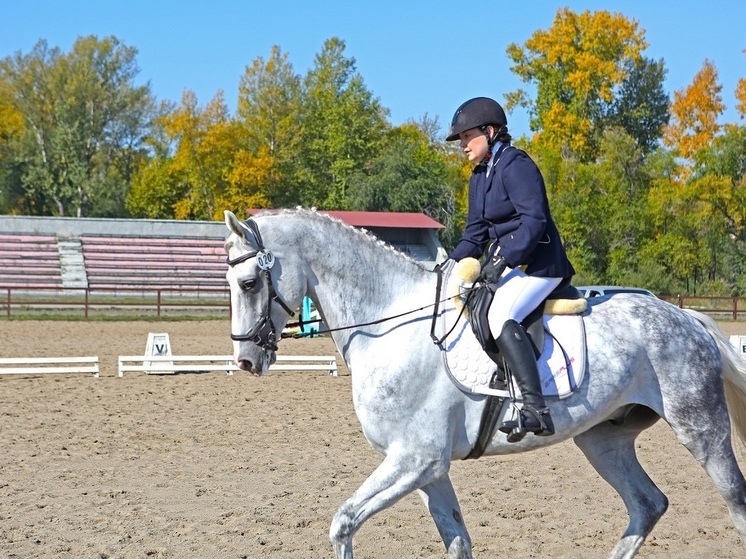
x,y
247,285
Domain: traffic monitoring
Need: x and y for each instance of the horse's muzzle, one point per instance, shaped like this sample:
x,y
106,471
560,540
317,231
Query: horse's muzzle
x,y
246,365
258,365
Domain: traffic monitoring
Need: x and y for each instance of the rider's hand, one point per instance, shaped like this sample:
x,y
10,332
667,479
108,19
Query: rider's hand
x,y
494,268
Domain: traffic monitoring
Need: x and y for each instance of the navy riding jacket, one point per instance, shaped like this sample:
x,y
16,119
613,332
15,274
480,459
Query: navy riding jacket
x,y
510,207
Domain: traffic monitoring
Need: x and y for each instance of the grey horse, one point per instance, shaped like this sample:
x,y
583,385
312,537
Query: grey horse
x,y
646,360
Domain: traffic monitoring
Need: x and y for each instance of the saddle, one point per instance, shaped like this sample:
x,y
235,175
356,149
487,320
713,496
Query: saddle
x,y
565,299
556,330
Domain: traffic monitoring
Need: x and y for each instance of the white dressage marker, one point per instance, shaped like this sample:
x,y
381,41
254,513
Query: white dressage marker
x,y
739,343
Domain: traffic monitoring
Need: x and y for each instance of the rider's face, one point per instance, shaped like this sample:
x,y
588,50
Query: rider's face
x,y
474,144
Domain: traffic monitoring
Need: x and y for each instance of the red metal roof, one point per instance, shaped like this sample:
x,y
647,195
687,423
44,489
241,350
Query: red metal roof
x,y
411,220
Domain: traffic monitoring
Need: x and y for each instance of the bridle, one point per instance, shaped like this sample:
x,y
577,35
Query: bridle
x,y
264,333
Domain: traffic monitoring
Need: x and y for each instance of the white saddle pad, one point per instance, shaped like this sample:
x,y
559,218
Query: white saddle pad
x,y
561,365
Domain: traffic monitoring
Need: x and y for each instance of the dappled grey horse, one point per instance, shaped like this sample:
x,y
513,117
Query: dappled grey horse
x,y
646,360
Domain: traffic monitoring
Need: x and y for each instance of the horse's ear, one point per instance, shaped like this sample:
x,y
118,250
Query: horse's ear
x,y
234,224
241,229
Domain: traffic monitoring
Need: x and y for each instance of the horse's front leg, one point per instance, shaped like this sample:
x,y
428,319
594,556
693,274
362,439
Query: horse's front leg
x,y
397,476
441,501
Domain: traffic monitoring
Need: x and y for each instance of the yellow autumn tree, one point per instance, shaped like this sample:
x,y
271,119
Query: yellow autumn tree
x,y
741,97
191,179
703,197
694,113
248,183
11,119
11,128
206,144
578,66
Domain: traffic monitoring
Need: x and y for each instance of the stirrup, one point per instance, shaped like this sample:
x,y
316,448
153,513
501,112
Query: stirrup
x,y
539,423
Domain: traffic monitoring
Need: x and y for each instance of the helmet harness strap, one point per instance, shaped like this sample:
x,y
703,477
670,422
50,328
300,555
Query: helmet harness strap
x,y
491,140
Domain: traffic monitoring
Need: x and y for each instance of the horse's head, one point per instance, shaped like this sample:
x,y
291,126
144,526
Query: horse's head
x,y
259,311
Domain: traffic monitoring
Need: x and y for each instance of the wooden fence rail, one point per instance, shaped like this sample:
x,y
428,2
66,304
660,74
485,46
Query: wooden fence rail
x,y
717,307
148,301
143,301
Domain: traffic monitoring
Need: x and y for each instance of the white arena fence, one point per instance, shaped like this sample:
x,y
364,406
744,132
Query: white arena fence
x,y
48,365
151,364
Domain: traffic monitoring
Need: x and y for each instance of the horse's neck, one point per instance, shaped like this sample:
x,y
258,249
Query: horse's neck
x,y
358,291
355,280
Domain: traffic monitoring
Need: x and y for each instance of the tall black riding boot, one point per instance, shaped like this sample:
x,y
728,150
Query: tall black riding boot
x,y
516,349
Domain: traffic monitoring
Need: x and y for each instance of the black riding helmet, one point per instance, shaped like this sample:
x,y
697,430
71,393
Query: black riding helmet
x,y
477,113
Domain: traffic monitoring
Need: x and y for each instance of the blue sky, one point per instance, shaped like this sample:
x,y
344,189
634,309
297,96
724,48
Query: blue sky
x,y
417,57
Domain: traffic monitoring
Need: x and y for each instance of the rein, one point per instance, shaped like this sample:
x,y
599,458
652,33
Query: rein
x,y
435,306
371,323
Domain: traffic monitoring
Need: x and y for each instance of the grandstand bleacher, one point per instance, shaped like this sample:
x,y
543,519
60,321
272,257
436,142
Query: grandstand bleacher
x,y
102,254
153,262
114,262
28,260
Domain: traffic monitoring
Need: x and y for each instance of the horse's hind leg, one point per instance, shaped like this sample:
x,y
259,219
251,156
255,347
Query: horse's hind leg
x,y
610,449
708,438
441,501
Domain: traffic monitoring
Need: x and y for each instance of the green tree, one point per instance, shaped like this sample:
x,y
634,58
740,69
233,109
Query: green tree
x,y
410,174
574,190
85,123
601,207
641,104
342,126
720,178
269,108
31,83
624,185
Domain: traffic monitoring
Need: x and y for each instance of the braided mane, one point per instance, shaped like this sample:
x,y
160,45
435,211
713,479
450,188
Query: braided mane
x,y
361,237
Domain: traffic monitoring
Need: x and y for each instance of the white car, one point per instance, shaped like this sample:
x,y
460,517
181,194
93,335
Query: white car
x,y
602,290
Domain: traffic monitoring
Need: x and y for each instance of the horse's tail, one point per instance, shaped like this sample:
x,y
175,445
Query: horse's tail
x,y
734,374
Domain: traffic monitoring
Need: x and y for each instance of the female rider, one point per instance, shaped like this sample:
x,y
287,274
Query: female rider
x,y
509,216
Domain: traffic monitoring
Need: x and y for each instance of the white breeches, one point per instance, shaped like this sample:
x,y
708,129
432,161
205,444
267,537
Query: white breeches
x,y
517,296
